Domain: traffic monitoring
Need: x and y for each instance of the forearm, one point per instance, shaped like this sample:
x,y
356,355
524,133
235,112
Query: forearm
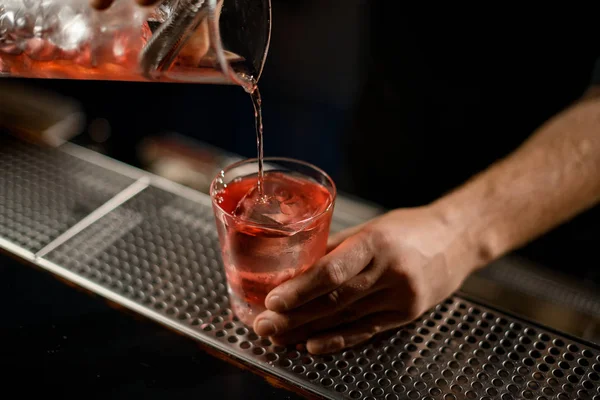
x,y
552,177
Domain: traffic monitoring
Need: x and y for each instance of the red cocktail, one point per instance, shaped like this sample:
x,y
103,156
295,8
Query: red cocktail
x,y
271,235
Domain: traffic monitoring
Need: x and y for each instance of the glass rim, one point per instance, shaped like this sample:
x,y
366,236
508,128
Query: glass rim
x,y
236,164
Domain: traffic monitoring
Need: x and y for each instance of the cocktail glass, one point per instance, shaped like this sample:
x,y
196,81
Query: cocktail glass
x,y
261,250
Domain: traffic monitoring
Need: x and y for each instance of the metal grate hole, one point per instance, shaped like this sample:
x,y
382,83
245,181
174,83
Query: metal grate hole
x,y
326,382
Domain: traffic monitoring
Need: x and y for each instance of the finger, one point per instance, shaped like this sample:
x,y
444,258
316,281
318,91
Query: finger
x,y
356,333
270,323
329,273
336,239
373,304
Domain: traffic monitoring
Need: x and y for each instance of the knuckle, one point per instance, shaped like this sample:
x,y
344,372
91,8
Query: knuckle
x,y
343,296
377,237
290,298
334,298
334,272
364,282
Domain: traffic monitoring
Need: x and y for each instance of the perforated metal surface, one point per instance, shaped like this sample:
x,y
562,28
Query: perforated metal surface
x,y
158,254
44,192
583,299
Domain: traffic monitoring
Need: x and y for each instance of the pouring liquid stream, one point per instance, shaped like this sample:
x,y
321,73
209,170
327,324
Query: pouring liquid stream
x,y
257,103
250,85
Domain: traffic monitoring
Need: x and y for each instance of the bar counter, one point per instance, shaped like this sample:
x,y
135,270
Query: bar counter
x,y
112,284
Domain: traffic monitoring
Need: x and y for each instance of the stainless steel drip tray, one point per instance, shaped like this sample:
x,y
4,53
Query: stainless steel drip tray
x,y
152,247
44,192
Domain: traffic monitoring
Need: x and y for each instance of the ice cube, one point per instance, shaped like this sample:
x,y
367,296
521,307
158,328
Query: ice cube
x,y
257,208
7,22
283,202
24,25
74,30
292,193
39,49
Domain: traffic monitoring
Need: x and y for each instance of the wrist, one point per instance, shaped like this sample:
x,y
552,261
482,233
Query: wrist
x,y
474,220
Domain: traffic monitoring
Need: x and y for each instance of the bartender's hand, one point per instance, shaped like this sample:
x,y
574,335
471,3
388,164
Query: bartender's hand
x,y
375,277
103,4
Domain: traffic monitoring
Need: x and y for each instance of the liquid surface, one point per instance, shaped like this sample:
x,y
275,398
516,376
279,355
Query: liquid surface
x,y
259,250
28,66
285,200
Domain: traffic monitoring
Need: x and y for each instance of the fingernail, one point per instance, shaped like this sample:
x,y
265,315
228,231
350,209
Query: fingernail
x,y
264,327
276,303
325,346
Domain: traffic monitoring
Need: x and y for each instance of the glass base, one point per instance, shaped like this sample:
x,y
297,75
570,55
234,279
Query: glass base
x,y
246,312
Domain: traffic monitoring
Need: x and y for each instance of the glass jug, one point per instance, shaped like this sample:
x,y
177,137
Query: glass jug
x,y
199,41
